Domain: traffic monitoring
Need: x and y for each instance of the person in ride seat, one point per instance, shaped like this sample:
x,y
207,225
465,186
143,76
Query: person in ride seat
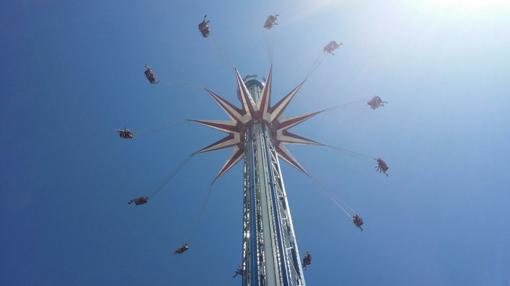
x,y
149,74
358,221
239,272
182,249
271,21
139,201
376,102
307,260
382,167
125,134
331,47
204,27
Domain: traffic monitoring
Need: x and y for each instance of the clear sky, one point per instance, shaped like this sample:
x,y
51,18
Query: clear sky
x,y
73,73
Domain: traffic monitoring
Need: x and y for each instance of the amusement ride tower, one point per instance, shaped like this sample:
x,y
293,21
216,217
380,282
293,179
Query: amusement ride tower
x,y
257,132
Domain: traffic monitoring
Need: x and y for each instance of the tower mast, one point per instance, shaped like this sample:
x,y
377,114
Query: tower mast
x,y
258,132
270,250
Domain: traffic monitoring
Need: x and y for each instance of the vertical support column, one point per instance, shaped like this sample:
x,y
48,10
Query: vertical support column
x,y
246,249
268,216
250,236
293,261
270,253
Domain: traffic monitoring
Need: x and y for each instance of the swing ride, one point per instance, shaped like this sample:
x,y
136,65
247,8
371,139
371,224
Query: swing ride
x,y
258,132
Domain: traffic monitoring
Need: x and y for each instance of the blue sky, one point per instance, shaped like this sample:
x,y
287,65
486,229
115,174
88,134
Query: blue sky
x,y
73,73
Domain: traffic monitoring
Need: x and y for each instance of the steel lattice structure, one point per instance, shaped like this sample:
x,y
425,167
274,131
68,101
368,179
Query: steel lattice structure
x,y
257,132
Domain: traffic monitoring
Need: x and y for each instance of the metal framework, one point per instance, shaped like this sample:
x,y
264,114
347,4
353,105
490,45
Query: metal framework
x,y
257,132
270,253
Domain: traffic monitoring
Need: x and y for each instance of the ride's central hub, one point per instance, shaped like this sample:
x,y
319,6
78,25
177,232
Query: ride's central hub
x,y
255,99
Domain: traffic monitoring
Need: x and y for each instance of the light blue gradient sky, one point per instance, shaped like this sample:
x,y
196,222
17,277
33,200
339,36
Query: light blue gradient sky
x,y
73,73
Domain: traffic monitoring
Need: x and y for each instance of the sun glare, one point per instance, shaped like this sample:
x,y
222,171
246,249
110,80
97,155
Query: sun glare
x,y
469,5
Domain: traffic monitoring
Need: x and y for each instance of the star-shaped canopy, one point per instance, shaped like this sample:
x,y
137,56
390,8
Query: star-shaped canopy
x,y
242,118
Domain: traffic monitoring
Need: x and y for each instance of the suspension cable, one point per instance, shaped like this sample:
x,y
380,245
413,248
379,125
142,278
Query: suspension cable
x,y
350,152
220,53
157,130
349,212
183,83
171,175
201,212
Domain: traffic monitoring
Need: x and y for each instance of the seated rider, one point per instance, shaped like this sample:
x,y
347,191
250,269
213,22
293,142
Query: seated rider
x,y
332,46
149,74
271,21
139,201
376,102
307,260
125,133
382,167
182,249
204,27
358,221
239,272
